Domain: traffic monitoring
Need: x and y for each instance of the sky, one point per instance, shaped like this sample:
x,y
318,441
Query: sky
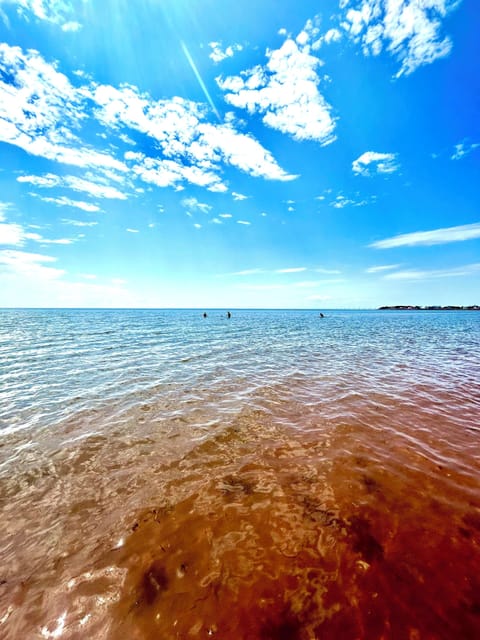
x,y
259,154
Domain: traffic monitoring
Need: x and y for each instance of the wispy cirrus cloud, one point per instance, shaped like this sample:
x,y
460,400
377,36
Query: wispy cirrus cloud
x,y
373,162
285,91
31,265
410,30
382,268
436,236
63,201
15,234
246,272
78,223
283,271
95,189
427,274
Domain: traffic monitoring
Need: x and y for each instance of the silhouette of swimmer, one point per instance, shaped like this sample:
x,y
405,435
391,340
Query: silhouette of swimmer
x,y
204,315
229,315
321,315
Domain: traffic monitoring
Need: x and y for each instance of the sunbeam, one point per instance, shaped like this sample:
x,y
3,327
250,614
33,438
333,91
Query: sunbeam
x,y
199,78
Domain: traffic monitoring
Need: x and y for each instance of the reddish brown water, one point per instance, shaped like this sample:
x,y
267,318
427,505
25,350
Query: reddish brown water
x,y
357,529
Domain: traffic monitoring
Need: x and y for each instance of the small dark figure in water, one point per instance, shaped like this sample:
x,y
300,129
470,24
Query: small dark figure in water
x,y
321,315
229,315
204,315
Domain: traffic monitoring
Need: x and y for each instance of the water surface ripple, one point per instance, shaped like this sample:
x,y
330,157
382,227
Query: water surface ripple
x,y
272,475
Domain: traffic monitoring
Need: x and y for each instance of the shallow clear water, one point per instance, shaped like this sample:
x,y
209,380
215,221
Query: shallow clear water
x,y
275,475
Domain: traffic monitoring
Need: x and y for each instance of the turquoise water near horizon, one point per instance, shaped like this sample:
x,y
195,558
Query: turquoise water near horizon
x,y
54,362
319,475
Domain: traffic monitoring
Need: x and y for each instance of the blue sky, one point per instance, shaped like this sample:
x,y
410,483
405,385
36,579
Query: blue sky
x,y
210,153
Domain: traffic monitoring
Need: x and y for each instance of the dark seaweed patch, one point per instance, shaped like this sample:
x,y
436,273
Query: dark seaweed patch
x,y
235,484
285,627
363,540
370,484
154,582
472,520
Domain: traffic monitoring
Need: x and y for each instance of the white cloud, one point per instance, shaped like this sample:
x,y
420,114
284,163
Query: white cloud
x,y
218,54
384,267
14,234
455,272
341,201
132,230
38,238
291,270
4,207
332,35
463,149
77,184
247,272
78,223
327,271
225,215
11,234
243,222
71,26
238,196
436,236
62,201
372,162
179,127
285,91
411,30
40,110
54,11
31,265
192,205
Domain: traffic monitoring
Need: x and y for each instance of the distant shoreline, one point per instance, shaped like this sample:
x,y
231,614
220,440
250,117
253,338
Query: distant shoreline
x,y
473,307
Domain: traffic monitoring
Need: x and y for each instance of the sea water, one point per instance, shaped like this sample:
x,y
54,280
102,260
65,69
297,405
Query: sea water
x,y
270,475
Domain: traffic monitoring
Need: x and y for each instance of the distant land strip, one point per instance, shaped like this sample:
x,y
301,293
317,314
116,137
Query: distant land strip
x,y
401,307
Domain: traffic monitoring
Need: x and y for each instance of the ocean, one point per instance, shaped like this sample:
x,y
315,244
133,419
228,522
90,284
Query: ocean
x,y
273,475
